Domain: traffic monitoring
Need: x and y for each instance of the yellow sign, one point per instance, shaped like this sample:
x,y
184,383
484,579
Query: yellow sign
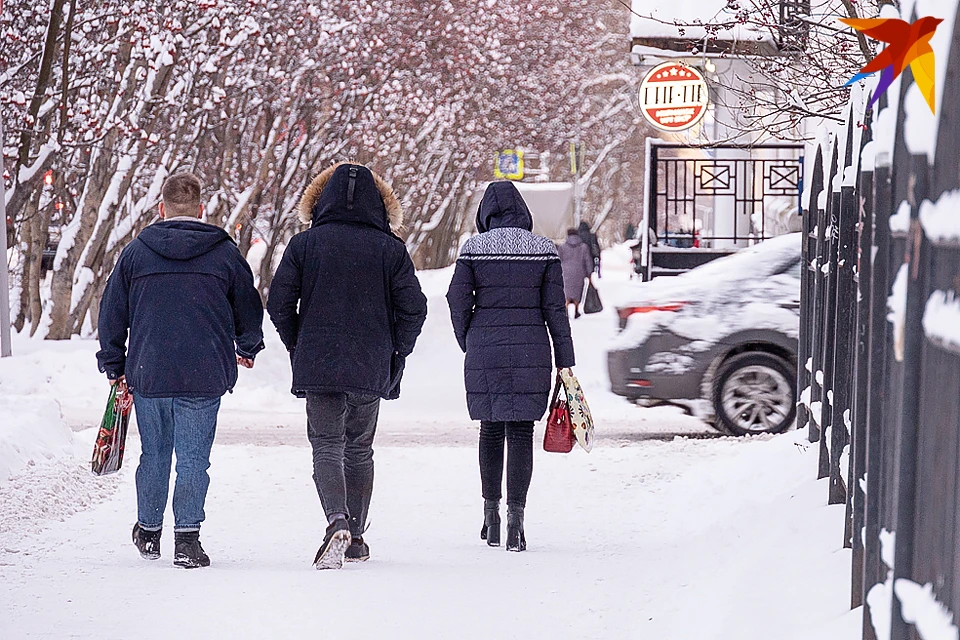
x,y
509,165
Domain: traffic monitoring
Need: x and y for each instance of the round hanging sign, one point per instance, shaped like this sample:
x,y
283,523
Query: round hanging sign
x,y
673,96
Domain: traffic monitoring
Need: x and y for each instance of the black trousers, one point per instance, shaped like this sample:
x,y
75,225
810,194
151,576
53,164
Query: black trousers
x,y
519,440
341,428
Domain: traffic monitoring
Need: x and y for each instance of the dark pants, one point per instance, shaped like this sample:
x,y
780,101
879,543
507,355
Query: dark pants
x,y
341,428
519,438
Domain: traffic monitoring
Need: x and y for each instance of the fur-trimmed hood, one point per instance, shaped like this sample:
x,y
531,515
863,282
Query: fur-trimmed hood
x,y
349,192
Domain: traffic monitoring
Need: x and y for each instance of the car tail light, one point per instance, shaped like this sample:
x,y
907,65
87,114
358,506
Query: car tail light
x,y
626,312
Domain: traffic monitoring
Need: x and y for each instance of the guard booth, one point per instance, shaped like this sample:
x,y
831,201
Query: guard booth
x,y
704,202
715,181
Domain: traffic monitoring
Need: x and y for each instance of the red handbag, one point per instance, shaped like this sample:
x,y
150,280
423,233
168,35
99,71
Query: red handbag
x,y
558,437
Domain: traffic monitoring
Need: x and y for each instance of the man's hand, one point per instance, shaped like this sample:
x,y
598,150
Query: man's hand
x,y
122,379
246,363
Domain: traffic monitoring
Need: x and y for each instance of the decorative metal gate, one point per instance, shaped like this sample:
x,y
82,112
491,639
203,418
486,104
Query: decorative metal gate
x,y
707,201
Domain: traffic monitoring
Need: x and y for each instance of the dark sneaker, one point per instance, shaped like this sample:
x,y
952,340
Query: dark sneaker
x,y
187,551
358,551
148,542
335,543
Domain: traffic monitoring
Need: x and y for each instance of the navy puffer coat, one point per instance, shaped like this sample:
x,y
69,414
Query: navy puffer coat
x,y
507,291
345,299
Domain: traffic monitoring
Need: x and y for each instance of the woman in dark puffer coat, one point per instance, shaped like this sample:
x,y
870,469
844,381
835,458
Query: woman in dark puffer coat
x,y
507,291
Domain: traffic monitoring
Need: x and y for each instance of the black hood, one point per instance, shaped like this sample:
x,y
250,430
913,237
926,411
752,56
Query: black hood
x,y
351,195
182,239
503,206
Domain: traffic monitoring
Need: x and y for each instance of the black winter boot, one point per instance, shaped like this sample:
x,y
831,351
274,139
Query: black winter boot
x,y
148,542
358,551
187,552
491,523
516,541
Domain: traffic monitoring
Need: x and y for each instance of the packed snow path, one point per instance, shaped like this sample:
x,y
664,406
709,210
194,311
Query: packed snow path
x,y
651,535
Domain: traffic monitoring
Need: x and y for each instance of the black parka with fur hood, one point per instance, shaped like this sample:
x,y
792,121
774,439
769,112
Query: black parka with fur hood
x,y
346,299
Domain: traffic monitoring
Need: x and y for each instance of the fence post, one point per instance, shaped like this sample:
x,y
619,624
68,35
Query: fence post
x,y
916,255
821,304
860,389
808,275
876,383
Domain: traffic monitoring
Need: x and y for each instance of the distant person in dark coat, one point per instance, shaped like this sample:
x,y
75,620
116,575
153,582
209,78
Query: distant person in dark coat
x,y
348,306
577,266
185,294
506,293
593,243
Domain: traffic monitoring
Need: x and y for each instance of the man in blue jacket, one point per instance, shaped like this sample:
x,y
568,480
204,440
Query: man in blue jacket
x,y
186,295
347,304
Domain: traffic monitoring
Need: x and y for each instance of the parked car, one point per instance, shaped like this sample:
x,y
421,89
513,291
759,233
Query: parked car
x,y
719,341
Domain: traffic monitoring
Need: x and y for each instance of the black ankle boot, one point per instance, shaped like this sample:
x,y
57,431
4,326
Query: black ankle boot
x,y
516,541
491,523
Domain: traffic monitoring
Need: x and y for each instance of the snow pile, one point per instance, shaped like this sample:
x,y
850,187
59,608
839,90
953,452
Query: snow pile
x,y
941,318
33,430
940,220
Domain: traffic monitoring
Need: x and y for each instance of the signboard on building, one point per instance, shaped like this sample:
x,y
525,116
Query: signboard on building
x,y
673,96
509,165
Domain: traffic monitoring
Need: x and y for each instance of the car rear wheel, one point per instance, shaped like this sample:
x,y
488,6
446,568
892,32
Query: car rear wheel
x,y
755,392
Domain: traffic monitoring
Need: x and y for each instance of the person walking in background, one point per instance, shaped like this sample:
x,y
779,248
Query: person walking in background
x,y
577,264
186,295
593,243
506,293
347,304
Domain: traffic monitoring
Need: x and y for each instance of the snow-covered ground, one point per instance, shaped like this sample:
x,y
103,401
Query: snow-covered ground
x,y
653,534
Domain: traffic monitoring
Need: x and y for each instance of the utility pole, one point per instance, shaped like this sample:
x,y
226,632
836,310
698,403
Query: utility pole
x,y
5,349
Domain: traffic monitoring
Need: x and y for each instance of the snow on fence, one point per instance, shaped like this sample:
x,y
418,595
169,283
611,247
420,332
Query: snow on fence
x,y
880,343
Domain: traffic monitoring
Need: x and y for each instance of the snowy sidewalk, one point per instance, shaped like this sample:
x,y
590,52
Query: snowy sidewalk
x,y
690,539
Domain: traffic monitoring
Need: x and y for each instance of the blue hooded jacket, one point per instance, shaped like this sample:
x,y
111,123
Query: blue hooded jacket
x,y
186,296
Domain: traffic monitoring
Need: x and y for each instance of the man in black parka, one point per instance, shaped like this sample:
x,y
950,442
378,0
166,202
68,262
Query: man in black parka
x,y
186,296
347,304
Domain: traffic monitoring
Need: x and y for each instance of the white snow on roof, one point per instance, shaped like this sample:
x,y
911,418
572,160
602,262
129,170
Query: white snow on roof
x,y
662,17
941,220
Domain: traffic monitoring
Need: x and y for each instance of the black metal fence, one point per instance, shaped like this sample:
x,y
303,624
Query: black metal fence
x,y
880,356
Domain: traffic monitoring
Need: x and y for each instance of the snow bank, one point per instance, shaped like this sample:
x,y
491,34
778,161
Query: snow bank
x,y
33,430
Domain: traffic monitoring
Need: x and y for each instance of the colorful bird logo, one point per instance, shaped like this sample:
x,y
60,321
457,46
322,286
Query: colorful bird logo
x,y
907,44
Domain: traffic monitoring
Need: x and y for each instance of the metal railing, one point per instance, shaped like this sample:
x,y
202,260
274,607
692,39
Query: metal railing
x,y
880,369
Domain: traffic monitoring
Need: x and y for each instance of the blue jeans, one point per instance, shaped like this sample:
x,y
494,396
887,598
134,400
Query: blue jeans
x,y
184,425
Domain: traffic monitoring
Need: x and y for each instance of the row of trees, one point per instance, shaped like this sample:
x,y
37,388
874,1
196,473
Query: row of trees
x,y
102,100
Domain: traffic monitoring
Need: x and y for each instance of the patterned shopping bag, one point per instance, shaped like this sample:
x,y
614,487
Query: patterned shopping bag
x,y
580,417
108,450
